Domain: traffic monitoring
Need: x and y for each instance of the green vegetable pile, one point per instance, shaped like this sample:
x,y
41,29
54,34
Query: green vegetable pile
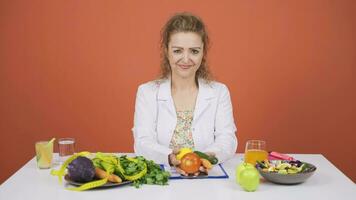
x,y
136,169
154,176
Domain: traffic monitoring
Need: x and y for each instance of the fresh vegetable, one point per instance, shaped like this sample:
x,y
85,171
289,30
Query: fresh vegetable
x,y
61,172
182,152
155,174
107,162
130,168
117,169
99,173
81,170
137,169
206,163
284,166
212,159
190,163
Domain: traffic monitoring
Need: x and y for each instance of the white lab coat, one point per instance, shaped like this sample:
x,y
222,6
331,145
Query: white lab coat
x,y
155,119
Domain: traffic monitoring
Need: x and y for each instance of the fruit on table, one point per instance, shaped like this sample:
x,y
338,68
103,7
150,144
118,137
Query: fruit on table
x,y
249,179
240,168
247,176
182,152
190,163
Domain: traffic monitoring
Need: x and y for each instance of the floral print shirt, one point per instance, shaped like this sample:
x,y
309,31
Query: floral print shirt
x,y
182,135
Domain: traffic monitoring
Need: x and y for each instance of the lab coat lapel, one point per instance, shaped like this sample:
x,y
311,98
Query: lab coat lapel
x,y
165,96
205,94
166,110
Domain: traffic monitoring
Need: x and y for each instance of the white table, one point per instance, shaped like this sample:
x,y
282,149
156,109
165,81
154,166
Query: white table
x,y
327,183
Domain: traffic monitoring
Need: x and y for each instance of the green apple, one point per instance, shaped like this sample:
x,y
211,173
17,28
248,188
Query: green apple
x,y
240,168
249,179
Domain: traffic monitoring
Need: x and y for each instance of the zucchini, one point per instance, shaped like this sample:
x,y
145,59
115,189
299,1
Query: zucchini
x,y
212,159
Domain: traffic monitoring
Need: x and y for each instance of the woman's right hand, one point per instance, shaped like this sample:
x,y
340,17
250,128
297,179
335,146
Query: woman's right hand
x,y
175,162
173,158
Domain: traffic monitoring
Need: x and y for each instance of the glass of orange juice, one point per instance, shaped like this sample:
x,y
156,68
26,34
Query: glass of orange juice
x,y
44,154
255,151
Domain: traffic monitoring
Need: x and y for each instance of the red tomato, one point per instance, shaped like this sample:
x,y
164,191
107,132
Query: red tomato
x,y
190,163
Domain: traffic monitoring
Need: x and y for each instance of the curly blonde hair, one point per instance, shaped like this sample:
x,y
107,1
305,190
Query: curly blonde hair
x,y
184,22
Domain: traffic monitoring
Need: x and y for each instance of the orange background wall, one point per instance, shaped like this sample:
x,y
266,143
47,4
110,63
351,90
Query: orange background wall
x,y
71,68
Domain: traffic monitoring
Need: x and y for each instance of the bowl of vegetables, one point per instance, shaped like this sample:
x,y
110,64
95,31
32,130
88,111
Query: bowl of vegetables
x,y
285,172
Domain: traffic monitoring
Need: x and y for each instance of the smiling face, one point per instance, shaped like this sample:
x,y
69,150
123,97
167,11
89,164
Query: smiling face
x,y
185,54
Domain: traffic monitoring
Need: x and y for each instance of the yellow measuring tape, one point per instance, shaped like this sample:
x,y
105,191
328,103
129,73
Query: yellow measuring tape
x,y
109,160
89,185
61,172
133,177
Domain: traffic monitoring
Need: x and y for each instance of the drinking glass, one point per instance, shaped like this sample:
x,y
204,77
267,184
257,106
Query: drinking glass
x,y
66,148
44,154
255,151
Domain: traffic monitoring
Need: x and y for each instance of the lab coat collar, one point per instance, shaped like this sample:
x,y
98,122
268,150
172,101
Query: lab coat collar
x,y
205,94
205,90
164,91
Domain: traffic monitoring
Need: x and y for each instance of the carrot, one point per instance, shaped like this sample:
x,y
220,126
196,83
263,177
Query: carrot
x,y
99,173
206,163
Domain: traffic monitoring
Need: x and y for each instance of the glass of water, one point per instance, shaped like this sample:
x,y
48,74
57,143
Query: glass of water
x,y
66,148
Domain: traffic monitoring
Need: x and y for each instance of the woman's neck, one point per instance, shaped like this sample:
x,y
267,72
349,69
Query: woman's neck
x,y
183,84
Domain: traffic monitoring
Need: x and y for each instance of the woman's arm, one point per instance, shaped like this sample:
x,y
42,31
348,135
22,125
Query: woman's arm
x,y
144,130
225,142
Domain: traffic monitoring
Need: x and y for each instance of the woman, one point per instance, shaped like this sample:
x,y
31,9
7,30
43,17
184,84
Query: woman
x,y
184,108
